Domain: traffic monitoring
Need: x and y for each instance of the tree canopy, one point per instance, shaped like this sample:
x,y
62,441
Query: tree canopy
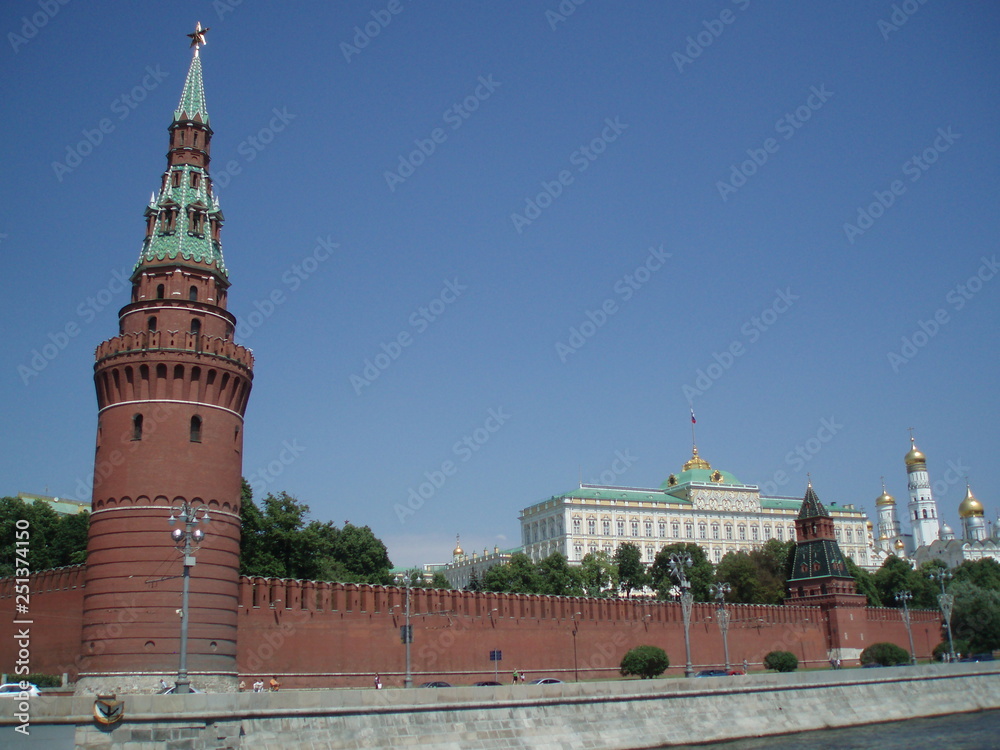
x,y
701,574
54,540
598,575
631,572
278,541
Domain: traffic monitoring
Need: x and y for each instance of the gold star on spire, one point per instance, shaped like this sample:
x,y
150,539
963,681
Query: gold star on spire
x,y
198,37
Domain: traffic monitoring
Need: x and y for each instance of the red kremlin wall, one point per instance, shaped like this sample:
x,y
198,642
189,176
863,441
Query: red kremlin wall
x,y
318,634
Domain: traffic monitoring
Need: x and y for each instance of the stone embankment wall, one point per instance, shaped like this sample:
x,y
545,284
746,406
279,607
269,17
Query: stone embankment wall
x,y
609,715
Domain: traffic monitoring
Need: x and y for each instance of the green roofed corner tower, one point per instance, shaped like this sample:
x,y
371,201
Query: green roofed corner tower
x,y
172,389
819,576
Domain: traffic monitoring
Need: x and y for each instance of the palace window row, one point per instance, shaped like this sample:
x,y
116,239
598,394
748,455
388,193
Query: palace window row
x,y
651,528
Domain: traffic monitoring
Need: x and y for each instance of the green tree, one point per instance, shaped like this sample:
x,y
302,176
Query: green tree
x,y
557,578
896,575
438,581
517,576
598,574
361,555
865,583
53,540
701,574
631,571
740,572
984,573
279,541
976,616
781,661
645,662
886,654
474,584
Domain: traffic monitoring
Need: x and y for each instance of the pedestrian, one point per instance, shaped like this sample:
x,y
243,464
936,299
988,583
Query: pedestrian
x,y
522,677
258,686
746,667
242,686
513,679
275,685
837,665
163,685
378,682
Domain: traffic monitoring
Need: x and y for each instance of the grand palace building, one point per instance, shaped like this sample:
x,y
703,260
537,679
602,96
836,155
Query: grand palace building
x,y
700,504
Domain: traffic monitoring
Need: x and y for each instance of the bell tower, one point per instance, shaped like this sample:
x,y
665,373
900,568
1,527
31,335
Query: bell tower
x,y
172,389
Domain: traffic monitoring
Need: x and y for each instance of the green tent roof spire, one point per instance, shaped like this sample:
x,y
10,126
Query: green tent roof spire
x,y
184,218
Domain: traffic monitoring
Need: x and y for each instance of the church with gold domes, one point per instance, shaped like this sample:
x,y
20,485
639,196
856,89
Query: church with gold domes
x,y
929,539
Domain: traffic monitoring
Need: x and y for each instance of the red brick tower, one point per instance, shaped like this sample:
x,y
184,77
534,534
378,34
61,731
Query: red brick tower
x,y
172,389
819,576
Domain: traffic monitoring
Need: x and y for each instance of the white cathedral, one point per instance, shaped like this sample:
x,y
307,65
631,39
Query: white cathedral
x,y
929,539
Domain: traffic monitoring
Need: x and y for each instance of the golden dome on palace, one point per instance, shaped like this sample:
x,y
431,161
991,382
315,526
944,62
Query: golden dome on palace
x,y
885,498
458,549
914,456
899,544
970,506
696,461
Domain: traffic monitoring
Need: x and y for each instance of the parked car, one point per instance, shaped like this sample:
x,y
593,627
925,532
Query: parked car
x,y
485,683
173,688
436,684
712,673
546,681
736,672
14,690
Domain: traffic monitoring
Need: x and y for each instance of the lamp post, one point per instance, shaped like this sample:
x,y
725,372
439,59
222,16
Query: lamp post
x,y
186,534
718,592
678,563
408,632
576,664
904,597
945,601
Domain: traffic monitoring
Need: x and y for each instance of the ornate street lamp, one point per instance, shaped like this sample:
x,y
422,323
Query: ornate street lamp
x,y
407,634
904,597
718,592
678,563
184,535
945,601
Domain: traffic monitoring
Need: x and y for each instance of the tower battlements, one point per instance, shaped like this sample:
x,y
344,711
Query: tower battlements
x,y
170,343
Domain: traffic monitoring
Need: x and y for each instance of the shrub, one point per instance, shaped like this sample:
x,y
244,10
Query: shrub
x,y
781,661
41,680
886,654
645,661
941,650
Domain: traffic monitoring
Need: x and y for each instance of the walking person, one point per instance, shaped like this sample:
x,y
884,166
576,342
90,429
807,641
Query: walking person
x,y
378,682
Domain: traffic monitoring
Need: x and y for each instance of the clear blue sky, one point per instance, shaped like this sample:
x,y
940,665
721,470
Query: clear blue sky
x,y
739,154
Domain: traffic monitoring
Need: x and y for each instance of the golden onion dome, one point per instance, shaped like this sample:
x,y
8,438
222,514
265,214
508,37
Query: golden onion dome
x,y
458,548
970,506
870,525
899,544
885,498
696,461
914,456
